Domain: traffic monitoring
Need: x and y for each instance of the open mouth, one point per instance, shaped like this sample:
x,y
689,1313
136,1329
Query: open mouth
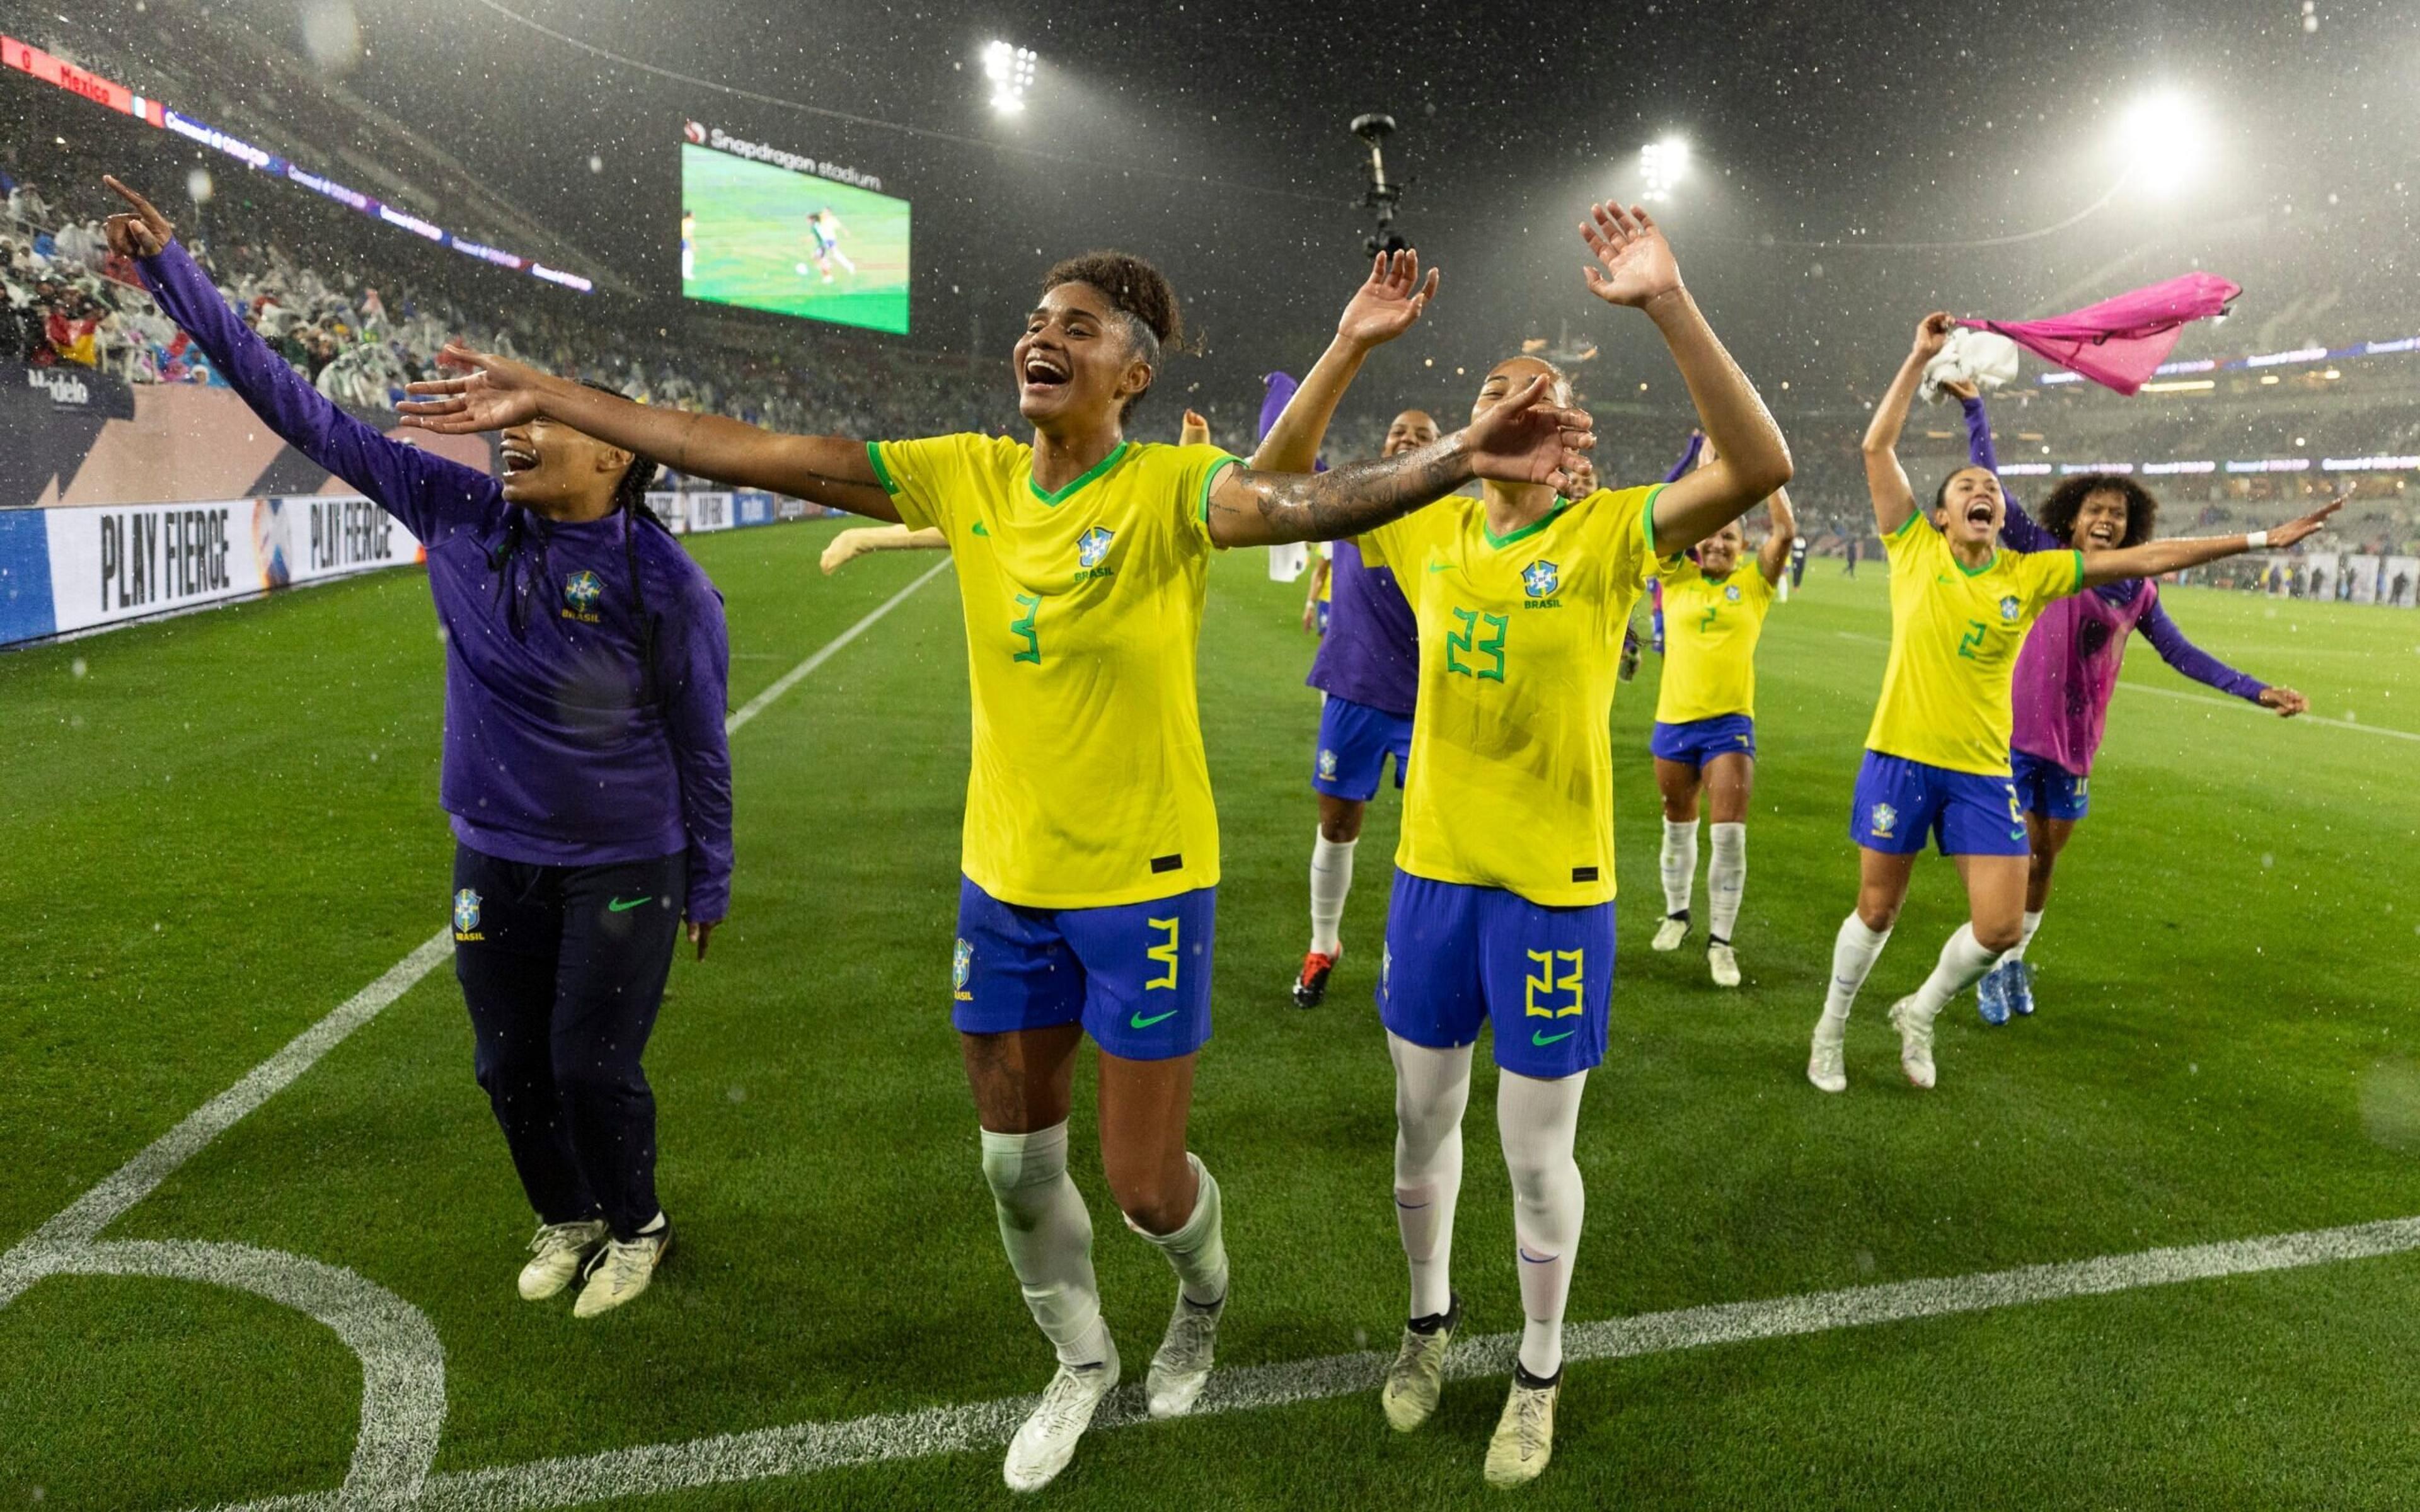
x,y
515,459
1978,513
1043,371
2102,536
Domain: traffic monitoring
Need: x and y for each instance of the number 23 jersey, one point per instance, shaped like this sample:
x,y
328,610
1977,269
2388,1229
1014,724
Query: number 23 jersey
x,y
1511,773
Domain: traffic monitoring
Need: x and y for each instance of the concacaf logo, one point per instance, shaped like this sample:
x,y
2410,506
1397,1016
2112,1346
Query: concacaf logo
x,y
1540,579
581,591
1091,547
466,911
1885,819
2009,607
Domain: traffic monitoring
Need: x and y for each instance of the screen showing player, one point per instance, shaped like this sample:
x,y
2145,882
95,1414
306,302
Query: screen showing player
x,y
770,237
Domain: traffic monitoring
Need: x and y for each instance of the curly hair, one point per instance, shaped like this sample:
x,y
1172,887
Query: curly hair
x,y
1138,292
2059,510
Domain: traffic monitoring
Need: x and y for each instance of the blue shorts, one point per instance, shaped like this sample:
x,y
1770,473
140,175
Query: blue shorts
x,y
1900,802
1696,742
2046,788
1355,741
1137,976
1458,956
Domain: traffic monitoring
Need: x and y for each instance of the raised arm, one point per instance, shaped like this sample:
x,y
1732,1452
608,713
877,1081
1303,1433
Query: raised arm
x,y
429,493
1382,309
2153,558
1886,480
1523,439
1634,267
1688,458
1773,558
495,392
2019,530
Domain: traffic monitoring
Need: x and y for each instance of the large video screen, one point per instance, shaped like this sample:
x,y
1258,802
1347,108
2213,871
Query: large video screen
x,y
771,238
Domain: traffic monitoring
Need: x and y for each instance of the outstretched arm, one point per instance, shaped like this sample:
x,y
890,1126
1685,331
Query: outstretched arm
x,y
1382,309
849,545
1523,439
1886,480
2153,558
2207,670
1773,558
496,391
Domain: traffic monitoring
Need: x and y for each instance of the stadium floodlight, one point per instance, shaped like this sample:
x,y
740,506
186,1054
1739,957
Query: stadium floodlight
x,y
1663,164
1009,70
2166,140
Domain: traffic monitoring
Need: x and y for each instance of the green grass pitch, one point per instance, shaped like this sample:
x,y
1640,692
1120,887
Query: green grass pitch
x,y
751,239
219,826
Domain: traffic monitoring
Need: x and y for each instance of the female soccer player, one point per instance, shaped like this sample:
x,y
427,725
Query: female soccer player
x,y
1502,909
1705,721
1937,756
1091,852
2068,670
586,770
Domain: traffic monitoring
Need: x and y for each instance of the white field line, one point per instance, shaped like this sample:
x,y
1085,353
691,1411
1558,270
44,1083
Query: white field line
x,y
403,1365
808,1449
2205,698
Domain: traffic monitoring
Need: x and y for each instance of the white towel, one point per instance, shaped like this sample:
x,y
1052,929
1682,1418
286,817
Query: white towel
x,y
1982,358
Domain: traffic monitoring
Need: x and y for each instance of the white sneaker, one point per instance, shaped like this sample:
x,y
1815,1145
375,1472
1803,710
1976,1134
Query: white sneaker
x,y
1524,1435
1723,962
1825,1064
621,1270
1182,1366
1915,1042
557,1253
1047,1440
1669,933
1416,1379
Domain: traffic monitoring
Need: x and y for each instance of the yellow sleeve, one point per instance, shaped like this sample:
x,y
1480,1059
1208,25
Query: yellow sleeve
x,y
1757,587
924,478
1197,471
1625,521
1914,539
2050,574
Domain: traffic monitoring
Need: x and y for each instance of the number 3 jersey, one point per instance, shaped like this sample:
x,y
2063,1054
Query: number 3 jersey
x,y
1955,634
1088,787
1511,773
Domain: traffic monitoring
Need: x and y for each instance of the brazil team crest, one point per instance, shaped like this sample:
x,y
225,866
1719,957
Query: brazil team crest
x,y
1091,547
1882,821
1326,765
1540,579
962,965
1731,593
580,592
466,912
2009,607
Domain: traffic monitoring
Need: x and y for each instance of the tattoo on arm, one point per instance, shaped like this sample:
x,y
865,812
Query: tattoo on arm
x,y
1332,505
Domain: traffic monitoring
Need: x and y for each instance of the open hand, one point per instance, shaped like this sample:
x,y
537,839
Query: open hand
x,y
2296,529
140,233
1960,388
1387,305
1195,431
846,548
1634,263
1527,438
2285,701
494,391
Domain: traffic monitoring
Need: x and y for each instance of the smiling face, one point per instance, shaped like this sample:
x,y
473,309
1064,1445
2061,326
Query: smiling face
x,y
1720,552
1076,364
2101,521
1412,429
1970,507
549,468
1514,373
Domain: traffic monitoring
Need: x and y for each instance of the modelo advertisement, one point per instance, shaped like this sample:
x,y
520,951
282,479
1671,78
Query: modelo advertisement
x,y
122,563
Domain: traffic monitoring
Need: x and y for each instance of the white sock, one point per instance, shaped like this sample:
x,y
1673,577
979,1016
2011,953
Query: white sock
x,y
1680,865
1331,879
2033,923
1854,950
1962,965
1197,1251
1539,1122
1431,1088
1726,879
1048,1237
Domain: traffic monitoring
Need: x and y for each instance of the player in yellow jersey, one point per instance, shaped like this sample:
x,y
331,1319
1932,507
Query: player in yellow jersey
x,y
1091,850
1502,909
1705,719
1937,756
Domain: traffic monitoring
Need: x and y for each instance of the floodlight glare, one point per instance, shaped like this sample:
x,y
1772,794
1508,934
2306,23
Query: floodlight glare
x,y
1009,70
2166,141
1663,164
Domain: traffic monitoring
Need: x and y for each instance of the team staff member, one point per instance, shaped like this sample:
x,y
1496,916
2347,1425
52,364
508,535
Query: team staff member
x,y
585,772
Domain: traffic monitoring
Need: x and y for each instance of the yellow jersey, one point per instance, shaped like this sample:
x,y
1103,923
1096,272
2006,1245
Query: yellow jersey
x,y
1512,772
1711,628
1955,634
1088,787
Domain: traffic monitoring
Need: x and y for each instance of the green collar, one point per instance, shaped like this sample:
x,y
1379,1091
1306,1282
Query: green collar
x,y
1525,531
1976,571
1055,500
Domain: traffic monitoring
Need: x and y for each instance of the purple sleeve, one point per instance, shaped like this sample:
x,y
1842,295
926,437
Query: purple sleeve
x,y
2190,659
1978,436
432,494
1688,458
695,660
2019,530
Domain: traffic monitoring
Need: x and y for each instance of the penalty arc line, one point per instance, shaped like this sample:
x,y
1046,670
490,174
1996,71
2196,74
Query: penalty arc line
x,y
810,1448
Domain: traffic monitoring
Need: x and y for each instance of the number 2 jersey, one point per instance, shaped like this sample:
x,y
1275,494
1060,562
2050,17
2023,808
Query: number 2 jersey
x,y
1088,787
1711,628
1511,773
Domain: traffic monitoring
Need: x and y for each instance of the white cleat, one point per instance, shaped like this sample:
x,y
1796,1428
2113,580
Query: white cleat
x,y
557,1253
1915,1042
1524,1435
1182,1368
621,1270
1416,1379
1722,962
1825,1067
1047,1440
1669,933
